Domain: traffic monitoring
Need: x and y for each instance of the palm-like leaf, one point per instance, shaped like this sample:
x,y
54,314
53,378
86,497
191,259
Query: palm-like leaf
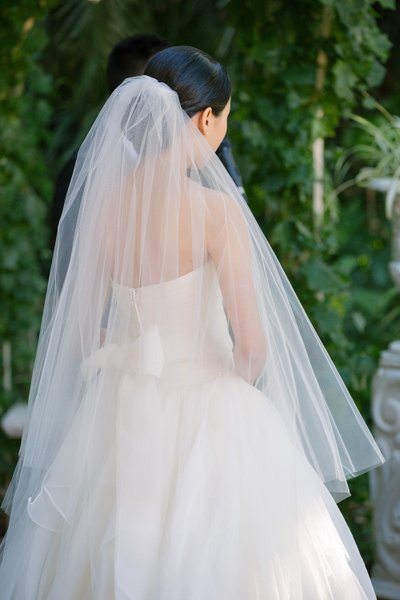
x,y
381,148
379,151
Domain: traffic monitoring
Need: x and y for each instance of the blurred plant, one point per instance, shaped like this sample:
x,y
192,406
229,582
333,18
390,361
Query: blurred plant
x,y
381,146
377,150
25,188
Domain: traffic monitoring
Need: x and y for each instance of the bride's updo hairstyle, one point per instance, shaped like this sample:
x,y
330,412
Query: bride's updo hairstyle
x,y
199,80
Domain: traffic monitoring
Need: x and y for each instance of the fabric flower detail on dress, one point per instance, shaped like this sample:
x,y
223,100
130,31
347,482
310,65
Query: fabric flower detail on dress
x,y
143,356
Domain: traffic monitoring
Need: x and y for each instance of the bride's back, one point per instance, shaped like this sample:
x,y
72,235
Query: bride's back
x,y
160,234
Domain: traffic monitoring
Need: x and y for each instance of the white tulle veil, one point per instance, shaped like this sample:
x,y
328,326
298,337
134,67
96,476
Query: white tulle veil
x,y
150,202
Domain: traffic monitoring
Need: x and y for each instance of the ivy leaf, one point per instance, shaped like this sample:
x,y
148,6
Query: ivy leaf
x,y
390,4
344,80
321,277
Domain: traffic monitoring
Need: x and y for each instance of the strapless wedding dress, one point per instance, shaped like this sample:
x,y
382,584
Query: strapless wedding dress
x,y
178,480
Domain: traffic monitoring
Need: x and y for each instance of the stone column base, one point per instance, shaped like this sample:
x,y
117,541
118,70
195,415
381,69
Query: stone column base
x,y
385,589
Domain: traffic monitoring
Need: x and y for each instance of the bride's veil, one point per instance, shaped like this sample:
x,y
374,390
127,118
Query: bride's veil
x,y
150,202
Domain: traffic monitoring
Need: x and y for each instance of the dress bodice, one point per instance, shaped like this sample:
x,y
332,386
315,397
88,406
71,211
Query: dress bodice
x,y
187,312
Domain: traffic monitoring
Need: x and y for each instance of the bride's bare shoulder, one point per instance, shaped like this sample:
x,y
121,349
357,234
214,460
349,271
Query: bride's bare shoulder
x,y
215,202
222,216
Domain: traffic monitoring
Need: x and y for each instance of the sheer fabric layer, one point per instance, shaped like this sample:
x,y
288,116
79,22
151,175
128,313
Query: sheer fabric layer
x,y
177,375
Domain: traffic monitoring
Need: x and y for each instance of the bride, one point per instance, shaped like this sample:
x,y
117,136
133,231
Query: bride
x,y
188,434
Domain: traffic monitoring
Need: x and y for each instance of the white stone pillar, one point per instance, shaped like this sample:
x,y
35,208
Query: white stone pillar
x,y
385,481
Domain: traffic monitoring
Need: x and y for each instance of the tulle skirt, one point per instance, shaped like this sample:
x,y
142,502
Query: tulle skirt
x,y
188,493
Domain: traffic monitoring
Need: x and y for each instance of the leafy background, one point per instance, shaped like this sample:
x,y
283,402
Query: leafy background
x,y
299,70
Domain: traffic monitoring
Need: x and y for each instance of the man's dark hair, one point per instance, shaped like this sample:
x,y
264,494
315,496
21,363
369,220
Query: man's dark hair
x,y
198,79
129,57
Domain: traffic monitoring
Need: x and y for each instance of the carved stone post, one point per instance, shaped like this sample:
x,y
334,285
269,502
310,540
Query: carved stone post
x,y
385,481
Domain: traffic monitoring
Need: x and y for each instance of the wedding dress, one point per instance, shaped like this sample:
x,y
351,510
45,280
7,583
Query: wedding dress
x,y
187,497
159,463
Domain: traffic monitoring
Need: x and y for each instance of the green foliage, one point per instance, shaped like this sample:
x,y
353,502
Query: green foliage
x,y
279,98
25,188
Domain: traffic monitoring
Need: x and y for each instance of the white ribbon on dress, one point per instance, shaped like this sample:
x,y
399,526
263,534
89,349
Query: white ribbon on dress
x,y
140,448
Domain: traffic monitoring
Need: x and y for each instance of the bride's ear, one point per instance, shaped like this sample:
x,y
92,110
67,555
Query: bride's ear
x,y
202,120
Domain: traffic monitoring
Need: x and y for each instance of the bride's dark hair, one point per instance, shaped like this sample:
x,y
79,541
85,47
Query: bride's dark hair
x,y
198,79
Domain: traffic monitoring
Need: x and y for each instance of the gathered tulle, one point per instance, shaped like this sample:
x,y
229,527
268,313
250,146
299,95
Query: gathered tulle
x,y
188,434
